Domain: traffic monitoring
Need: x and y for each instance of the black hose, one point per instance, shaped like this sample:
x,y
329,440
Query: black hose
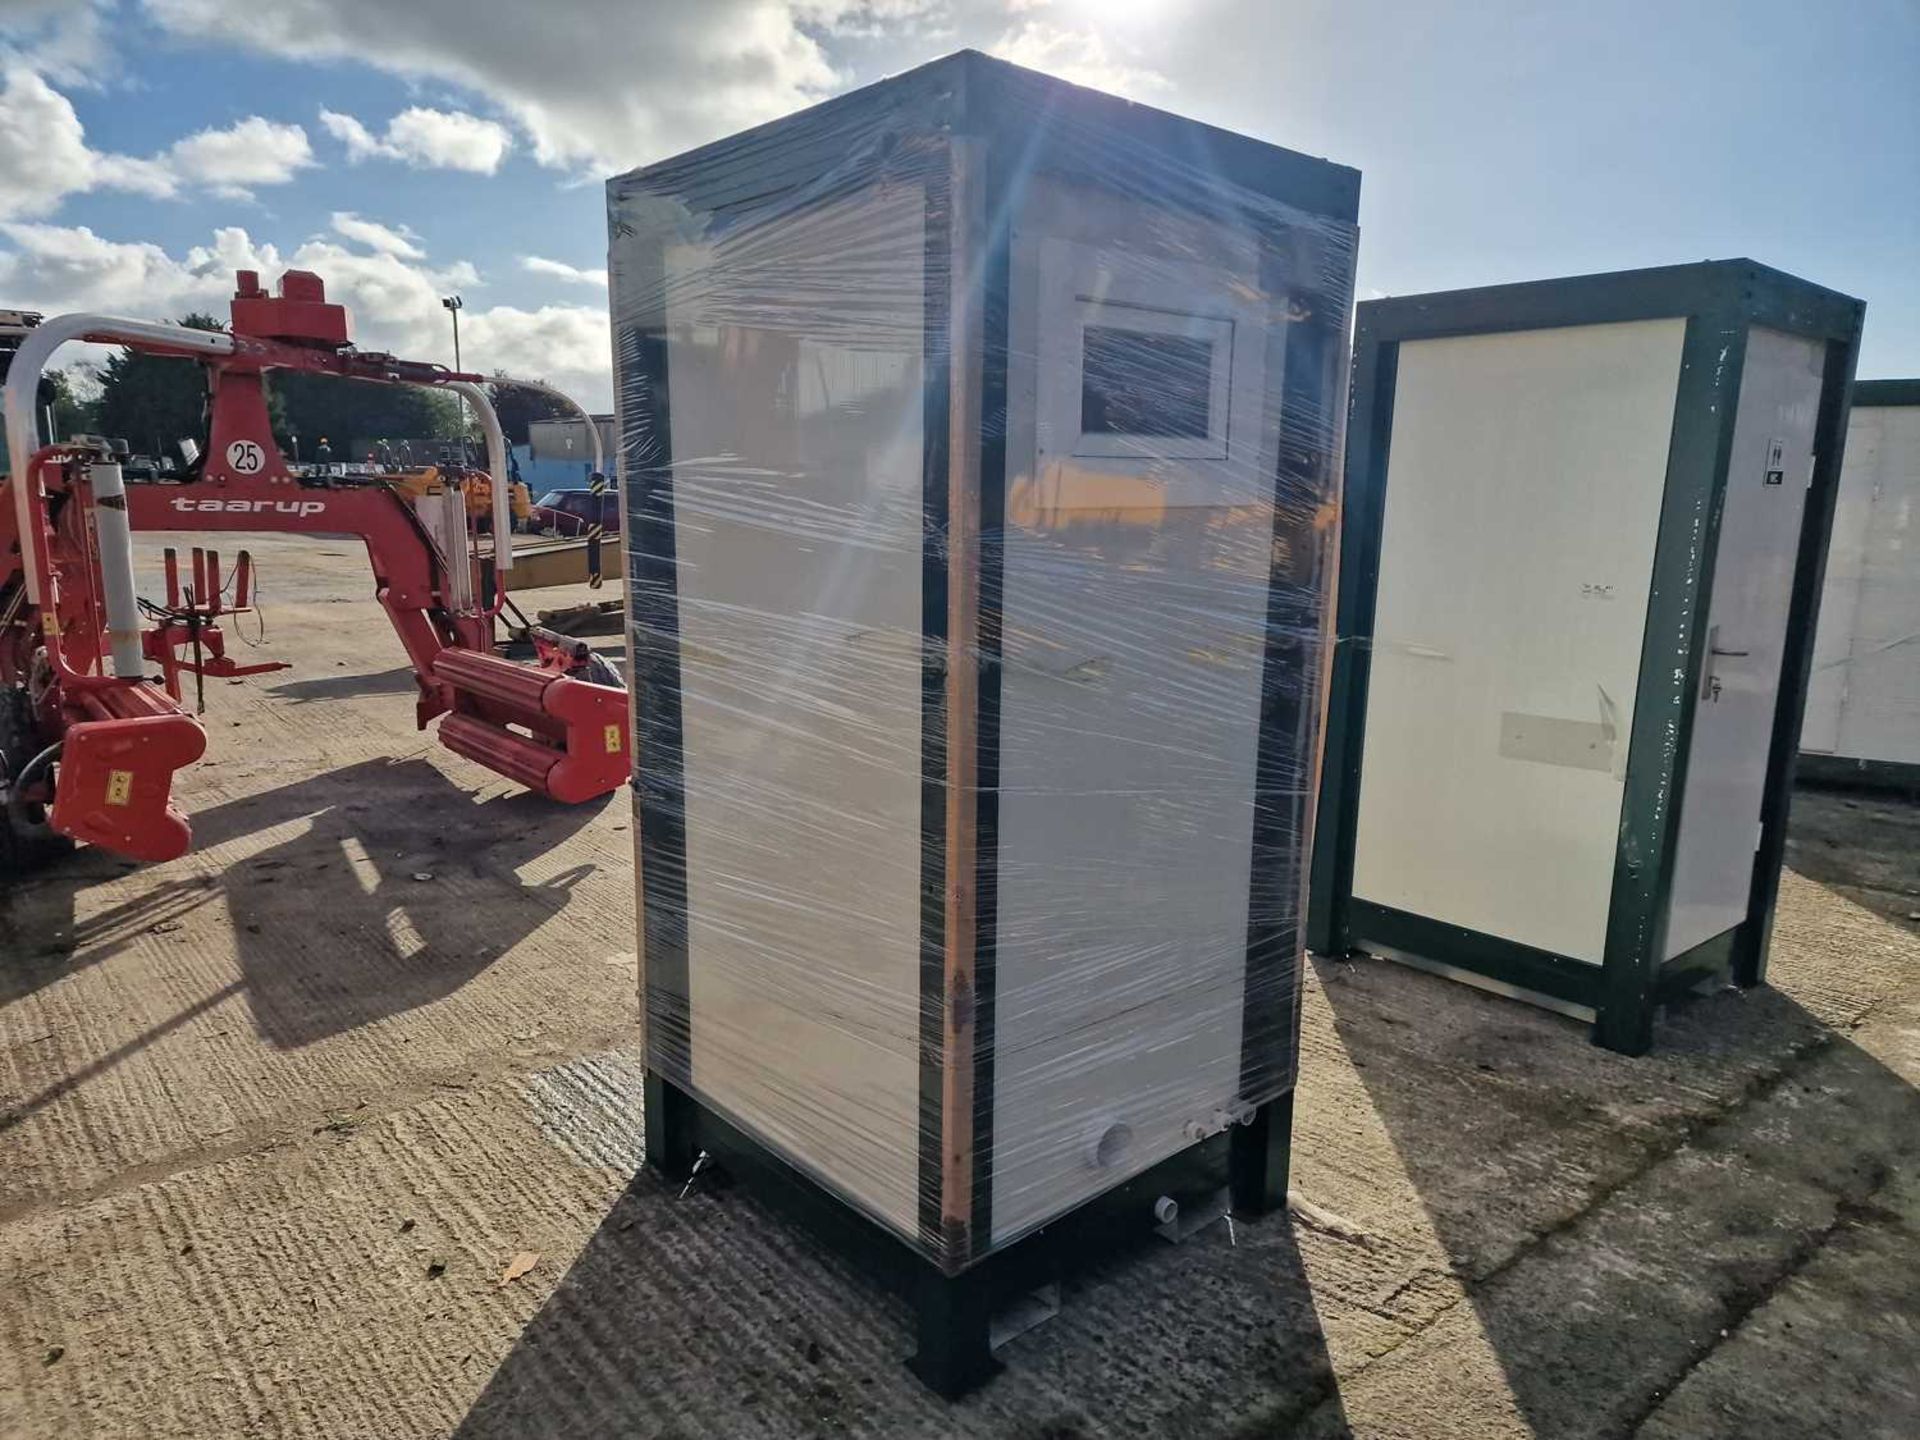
x,y
16,803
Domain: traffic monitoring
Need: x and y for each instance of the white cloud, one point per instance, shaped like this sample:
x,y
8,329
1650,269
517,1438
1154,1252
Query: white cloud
x,y
360,141
44,155
58,268
1081,56
600,84
450,139
375,236
569,346
426,139
560,270
154,177
872,19
394,301
597,86
61,38
253,151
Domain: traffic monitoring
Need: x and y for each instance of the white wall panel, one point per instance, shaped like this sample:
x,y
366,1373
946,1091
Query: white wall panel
x,y
1524,481
1840,592
797,488
1135,593
1869,654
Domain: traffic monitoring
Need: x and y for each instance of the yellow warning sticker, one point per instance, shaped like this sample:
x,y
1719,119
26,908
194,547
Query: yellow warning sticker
x,y
613,739
119,787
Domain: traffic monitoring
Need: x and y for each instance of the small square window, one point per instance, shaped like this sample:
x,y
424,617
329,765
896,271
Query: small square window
x,y
1144,383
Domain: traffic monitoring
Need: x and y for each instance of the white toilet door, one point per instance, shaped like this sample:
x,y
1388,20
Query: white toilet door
x,y
1746,620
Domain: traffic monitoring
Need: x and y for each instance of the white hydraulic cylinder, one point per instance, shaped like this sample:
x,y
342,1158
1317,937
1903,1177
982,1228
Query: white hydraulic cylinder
x,y
114,532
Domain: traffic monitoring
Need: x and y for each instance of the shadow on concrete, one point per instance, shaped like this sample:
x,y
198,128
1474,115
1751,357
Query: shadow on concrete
x,y
711,1315
333,929
1863,844
39,936
1614,1220
398,681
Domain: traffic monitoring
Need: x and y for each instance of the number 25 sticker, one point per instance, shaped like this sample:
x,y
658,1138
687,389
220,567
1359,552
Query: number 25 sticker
x,y
245,457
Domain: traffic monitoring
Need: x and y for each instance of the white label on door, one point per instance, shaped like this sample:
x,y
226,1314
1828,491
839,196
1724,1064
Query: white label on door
x,y
1776,462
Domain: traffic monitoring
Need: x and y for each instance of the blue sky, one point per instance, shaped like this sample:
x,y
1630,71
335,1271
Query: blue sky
x,y
1498,140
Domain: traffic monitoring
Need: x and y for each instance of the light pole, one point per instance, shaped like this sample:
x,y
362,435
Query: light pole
x,y
453,304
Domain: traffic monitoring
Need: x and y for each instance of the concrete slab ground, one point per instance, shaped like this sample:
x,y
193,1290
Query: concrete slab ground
x,y
275,1119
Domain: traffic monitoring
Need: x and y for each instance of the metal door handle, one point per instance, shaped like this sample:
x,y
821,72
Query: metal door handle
x,y
1710,682
1713,644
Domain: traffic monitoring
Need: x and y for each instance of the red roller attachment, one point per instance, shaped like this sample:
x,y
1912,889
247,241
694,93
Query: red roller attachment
x,y
116,772
568,738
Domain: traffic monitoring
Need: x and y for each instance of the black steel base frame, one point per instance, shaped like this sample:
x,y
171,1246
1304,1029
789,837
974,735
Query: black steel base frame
x,y
1733,955
953,1313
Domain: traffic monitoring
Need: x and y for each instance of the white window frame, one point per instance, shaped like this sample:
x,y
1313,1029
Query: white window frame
x,y
1092,312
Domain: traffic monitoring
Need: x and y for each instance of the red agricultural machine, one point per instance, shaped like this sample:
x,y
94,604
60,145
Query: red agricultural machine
x,y
89,743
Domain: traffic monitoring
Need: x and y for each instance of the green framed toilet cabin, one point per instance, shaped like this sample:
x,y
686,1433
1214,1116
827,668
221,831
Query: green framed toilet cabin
x,y
1584,533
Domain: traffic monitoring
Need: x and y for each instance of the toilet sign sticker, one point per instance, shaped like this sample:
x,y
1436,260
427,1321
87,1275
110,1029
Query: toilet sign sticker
x,y
245,457
1776,462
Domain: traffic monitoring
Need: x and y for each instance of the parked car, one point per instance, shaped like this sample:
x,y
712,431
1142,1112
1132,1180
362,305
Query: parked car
x,y
569,512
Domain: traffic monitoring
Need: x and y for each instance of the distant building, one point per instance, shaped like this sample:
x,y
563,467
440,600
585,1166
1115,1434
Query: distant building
x,y
567,441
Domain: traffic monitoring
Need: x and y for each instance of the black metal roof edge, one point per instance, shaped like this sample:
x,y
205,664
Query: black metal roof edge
x,y
1871,393
999,92
988,94
1768,294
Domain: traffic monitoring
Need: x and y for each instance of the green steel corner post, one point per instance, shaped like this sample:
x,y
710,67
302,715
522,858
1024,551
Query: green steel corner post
x,y
1713,357
1330,893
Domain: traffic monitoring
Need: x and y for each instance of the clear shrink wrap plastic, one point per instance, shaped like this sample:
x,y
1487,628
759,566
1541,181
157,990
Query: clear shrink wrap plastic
x,y
980,448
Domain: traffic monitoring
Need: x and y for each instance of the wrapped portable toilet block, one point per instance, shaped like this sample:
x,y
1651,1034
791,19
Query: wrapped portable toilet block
x,y
979,446
1580,562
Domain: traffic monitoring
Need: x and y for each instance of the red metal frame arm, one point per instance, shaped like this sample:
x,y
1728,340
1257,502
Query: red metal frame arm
x,y
402,555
